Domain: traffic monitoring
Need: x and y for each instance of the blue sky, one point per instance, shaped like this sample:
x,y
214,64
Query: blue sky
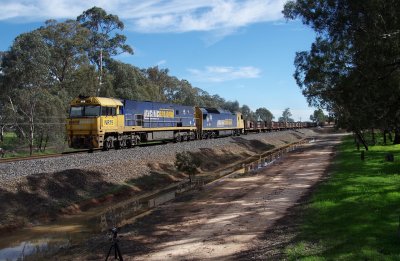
x,y
239,49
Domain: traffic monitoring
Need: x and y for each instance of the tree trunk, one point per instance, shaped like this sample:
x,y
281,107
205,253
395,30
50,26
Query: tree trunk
x,y
373,136
356,141
45,142
39,145
361,139
384,136
396,136
31,144
31,135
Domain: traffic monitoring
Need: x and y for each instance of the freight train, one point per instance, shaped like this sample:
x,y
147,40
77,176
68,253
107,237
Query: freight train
x,y
108,123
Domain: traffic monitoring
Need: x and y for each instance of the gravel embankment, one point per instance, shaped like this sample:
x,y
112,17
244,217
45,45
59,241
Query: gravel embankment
x,y
119,165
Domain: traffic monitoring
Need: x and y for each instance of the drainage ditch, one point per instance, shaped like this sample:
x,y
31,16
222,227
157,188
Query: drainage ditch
x,y
32,243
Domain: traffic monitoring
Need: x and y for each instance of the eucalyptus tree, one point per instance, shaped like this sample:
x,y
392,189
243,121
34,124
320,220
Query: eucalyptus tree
x,y
286,116
186,94
104,39
353,66
26,72
130,82
167,85
264,114
84,81
26,64
232,106
66,42
4,119
247,113
318,116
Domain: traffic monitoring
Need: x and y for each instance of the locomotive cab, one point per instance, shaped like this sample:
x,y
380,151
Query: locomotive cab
x,y
90,118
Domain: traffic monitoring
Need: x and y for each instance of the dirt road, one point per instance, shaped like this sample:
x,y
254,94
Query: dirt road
x,y
228,216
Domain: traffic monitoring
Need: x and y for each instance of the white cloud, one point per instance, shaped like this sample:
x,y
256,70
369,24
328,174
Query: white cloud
x,y
161,62
154,15
224,73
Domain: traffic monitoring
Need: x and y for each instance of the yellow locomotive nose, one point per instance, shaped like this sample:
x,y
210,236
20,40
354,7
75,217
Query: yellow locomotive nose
x,y
90,119
81,133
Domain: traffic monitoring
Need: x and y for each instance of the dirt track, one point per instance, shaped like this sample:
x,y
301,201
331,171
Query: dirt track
x,y
227,217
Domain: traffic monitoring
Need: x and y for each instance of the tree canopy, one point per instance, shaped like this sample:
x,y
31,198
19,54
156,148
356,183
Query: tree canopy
x,y
318,117
286,114
103,38
264,114
353,66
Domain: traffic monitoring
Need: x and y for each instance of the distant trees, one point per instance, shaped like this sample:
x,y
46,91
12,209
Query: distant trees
x,y
318,117
353,66
247,113
286,114
231,106
264,114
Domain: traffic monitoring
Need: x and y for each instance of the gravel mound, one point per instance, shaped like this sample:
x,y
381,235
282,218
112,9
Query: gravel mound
x,y
118,166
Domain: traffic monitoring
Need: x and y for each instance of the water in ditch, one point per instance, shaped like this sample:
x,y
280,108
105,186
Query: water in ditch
x,y
32,243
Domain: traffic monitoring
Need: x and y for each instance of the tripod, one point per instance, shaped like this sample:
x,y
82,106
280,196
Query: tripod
x,y
117,252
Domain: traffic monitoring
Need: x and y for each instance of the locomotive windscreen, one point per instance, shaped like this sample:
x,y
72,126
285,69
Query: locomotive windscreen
x,y
84,111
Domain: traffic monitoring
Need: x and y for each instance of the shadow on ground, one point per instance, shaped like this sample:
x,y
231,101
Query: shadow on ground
x,y
39,197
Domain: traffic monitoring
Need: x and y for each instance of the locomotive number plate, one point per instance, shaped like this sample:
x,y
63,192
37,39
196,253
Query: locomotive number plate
x,y
108,122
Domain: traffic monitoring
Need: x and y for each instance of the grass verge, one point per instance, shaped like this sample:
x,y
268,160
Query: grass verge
x,y
355,214
16,148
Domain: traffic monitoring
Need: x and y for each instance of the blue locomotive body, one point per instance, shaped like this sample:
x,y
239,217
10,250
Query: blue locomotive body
x,y
218,118
149,114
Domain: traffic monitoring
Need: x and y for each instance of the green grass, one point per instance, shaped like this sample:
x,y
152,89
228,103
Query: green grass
x,y
355,214
15,148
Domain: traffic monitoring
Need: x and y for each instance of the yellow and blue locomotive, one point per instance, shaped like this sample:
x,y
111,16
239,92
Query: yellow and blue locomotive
x,y
97,122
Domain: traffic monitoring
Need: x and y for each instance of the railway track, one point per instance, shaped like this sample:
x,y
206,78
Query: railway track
x,y
9,160
17,159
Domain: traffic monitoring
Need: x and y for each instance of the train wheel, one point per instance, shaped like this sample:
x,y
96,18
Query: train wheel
x,y
108,143
122,143
117,144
